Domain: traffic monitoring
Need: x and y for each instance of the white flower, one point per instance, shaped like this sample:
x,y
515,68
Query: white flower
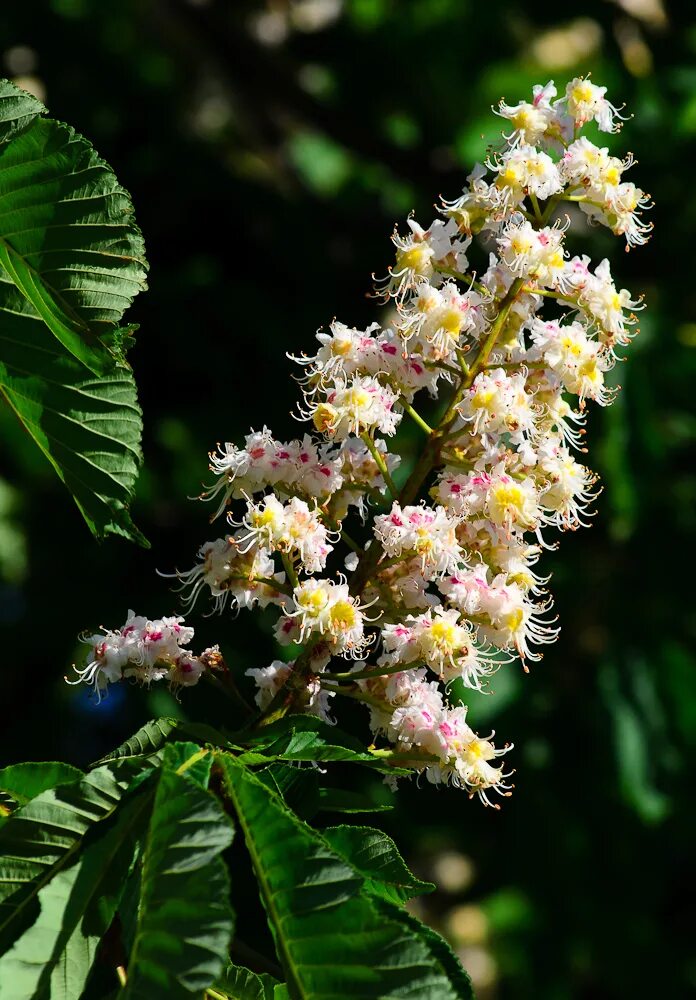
x,y
531,121
439,316
328,608
533,253
352,406
584,163
567,488
527,170
293,528
498,403
266,462
144,650
510,503
586,102
515,620
604,304
232,574
421,531
578,361
481,206
419,251
269,680
442,640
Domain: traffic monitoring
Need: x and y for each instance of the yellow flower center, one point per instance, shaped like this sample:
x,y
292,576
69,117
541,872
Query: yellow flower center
x,y
582,92
343,615
416,258
314,600
357,398
513,620
451,321
324,417
444,633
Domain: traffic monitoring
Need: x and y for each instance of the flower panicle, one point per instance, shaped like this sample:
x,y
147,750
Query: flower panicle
x,y
489,311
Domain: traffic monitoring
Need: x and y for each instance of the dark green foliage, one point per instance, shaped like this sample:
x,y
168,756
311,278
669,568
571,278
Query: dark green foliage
x,y
331,939
126,866
71,262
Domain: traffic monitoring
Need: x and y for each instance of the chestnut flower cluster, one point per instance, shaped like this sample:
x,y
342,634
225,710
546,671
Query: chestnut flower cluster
x,y
145,651
493,315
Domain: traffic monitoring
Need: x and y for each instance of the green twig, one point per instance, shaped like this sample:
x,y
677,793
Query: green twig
x,y
471,282
358,695
290,570
267,580
381,464
416,417
367,673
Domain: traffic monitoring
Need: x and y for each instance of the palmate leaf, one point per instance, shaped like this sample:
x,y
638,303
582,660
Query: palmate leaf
x,y
43,838
71,262
334,940
54,957
69,855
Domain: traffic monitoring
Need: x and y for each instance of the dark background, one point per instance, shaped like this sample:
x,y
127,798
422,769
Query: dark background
x,y
269,148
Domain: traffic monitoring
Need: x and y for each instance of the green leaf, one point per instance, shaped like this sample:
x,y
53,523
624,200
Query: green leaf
x,y
71,262
239,983
68,239
297,786
304,738
88,428
76,907
148,740
189,759
333,941
43,838
151,738
24,782
440,952
184,918
18,109
375,856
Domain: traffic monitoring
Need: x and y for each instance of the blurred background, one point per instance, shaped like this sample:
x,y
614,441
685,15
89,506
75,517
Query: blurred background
x,y
269,148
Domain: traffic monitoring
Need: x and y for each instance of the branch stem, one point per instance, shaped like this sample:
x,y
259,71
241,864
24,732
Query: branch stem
x,y
416,417
381,464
